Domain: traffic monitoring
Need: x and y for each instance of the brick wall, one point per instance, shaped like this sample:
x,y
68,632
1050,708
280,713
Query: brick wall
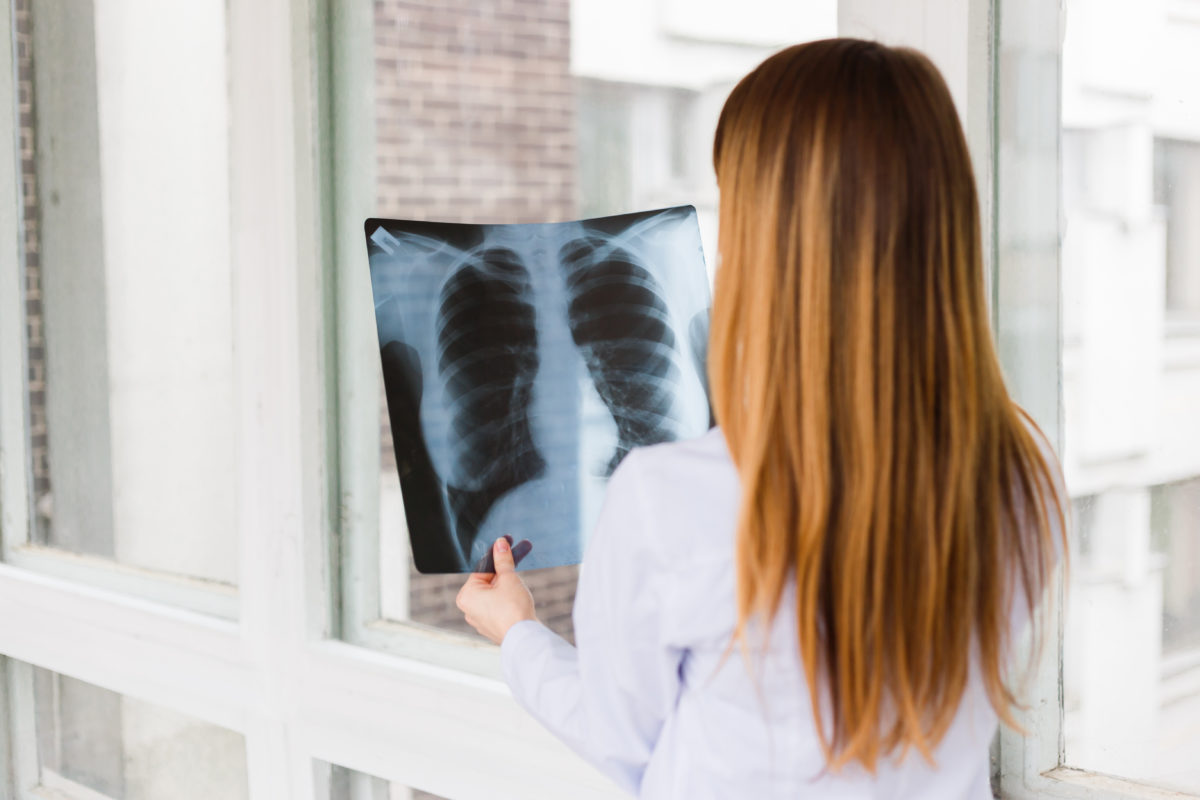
x,y
475,122
27,143
475,110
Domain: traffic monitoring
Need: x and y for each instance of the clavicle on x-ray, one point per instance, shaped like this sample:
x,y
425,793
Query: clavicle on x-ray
x,y
521,363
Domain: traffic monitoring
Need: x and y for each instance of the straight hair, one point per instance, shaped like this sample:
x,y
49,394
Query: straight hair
x,y
884,468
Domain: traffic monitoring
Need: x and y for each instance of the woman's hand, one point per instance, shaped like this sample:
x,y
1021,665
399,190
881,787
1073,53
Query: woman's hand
x,y
494,603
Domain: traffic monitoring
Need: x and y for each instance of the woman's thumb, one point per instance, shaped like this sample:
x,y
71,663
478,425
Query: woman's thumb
x,y
502,554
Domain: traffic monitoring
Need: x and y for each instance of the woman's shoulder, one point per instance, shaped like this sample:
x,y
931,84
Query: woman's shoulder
x,y
672,459
684,467
687,491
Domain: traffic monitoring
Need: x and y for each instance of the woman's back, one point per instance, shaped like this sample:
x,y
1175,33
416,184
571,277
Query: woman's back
x,y
732,736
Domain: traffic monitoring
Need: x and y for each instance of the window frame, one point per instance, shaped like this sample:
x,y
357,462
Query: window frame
x,y
1027,35
17,547
405,706
269,671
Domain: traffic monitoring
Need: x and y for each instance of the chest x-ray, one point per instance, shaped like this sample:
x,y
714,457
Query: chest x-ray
x,y
523,362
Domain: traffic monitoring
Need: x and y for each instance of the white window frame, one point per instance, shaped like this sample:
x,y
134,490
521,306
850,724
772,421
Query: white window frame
x,y
393,701
259,661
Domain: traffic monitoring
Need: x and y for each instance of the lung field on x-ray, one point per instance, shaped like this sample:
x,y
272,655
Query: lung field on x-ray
x,y
622,327
488,359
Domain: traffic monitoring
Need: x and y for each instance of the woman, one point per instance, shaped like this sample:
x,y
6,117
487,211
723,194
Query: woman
x,y
873,519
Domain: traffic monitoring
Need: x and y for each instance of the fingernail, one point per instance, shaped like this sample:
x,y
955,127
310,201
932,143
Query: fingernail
x,y
502,544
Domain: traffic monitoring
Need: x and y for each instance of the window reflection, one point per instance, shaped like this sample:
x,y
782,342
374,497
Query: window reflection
x,y
124,749
124,166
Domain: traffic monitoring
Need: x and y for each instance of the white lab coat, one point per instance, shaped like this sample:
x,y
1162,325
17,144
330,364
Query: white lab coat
x,y
645,695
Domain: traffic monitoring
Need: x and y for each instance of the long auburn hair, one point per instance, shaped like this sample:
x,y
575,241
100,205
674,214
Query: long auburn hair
x,y
883,466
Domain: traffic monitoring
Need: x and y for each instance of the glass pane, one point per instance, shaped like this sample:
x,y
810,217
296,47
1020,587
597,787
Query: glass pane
x,y
1131,389
339,783
124,166
550,111
125,749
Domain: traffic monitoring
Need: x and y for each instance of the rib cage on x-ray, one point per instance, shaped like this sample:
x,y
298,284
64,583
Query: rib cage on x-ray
x,y
623,327
523,362
487,360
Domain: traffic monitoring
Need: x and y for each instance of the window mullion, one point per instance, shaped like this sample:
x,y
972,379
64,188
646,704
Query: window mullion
x,y
279,366
18,754
352,107
1028,324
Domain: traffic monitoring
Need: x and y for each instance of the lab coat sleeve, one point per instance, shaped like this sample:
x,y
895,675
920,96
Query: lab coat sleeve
x,y
608,697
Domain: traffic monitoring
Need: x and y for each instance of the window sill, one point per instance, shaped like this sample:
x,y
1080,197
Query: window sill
x,y
1068,783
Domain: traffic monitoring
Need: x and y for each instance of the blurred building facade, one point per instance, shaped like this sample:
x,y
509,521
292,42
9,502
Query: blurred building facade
x,y
1131,386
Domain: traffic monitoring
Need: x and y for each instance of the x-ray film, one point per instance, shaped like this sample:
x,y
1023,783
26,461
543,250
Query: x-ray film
x,y
523,362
